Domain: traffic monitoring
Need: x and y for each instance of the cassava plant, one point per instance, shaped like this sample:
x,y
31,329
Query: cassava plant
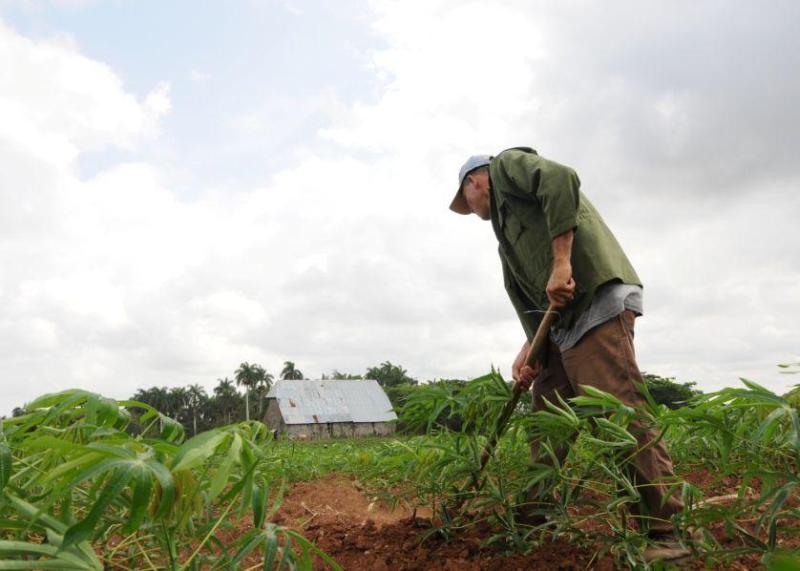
x,y
79,491
749,432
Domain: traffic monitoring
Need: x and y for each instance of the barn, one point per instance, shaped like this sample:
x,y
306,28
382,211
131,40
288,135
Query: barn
x,y
328,408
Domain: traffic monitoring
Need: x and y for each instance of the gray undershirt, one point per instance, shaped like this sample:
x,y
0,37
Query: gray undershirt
x,y
609,300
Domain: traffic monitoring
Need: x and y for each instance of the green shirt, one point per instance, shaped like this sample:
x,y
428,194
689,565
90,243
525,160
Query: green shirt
x,y
533,200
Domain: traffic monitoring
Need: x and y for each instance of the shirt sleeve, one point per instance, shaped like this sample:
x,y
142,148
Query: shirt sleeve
x,y
556,187
529,321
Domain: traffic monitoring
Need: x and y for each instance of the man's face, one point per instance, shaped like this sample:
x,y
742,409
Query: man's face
x,y
476,193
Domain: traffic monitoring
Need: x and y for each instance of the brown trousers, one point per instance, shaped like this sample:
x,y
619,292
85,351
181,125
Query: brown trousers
x,y
604,358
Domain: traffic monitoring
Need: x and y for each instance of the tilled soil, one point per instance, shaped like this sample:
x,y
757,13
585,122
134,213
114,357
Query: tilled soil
x,y
361,534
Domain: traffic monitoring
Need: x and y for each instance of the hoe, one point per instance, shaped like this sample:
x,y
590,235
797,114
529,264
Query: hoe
x,y
534,352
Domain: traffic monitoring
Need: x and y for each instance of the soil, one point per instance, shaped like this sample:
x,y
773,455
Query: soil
x,y
360,533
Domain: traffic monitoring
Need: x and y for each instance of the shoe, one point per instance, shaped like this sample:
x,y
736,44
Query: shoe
x,y
668,549
531,520
532,515
668,552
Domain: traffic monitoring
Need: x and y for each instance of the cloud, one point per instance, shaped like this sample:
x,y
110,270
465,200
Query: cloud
x,y
347,256
56,103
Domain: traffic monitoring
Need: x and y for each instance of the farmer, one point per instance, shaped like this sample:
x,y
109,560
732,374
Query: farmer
x,y
556,249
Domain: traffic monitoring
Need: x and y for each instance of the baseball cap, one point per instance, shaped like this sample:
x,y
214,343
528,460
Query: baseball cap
x,y
459,203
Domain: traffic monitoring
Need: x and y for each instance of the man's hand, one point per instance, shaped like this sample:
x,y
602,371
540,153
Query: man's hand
x,y
522,373
561,286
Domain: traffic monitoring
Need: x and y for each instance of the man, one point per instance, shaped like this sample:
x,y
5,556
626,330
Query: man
x,y
556,249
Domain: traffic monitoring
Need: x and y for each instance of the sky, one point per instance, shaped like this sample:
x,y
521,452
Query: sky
x,y
185,186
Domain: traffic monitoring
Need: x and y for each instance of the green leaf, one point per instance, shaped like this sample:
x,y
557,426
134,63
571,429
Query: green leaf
x,y
97,469
5,466
238,486
250,541
259,503
783,562
67,467
755,386
54,528
222,474
272,548
64,560
139,502
171,429
58,564
306,544
82,530
168,488
198,450
48,442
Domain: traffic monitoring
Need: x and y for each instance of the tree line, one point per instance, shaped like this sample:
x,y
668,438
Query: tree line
x,y
197,410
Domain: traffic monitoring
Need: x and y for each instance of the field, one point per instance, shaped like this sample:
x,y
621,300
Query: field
x,y
92,483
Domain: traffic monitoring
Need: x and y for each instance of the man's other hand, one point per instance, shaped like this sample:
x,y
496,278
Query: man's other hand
x,y
527,376
523,374
561,286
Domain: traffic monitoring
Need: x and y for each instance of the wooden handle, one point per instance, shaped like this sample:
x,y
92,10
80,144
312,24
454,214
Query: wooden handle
x,y
539,339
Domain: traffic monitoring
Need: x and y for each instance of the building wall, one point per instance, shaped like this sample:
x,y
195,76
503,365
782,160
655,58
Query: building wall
x,y
374,428
273,418
337,430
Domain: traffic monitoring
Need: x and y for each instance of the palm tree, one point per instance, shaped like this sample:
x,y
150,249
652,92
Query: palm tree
x,y
157,397
195,397
339,376
177,401
291,373
249,376
263,386
161,400
226,399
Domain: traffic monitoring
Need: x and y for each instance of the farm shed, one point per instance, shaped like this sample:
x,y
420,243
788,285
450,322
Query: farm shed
x,y
326,409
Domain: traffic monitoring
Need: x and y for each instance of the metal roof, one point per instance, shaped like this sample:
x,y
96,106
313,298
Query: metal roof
x,y
311,401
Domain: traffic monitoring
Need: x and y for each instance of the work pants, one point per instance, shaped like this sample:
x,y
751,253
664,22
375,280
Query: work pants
x,y
604,358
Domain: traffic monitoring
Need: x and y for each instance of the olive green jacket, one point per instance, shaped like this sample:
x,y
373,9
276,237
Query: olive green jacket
x,y
533,200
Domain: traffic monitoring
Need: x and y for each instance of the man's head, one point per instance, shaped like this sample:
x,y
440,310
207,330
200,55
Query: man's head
x,y
472,196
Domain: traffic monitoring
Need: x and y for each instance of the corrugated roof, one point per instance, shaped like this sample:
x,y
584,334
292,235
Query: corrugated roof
x,y
310,401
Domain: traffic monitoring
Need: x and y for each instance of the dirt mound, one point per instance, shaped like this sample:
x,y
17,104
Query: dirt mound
x,y
360,533
334,499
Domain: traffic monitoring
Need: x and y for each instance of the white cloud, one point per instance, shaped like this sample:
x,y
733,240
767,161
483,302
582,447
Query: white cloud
x,y
348,256
71,247
56,103
157,102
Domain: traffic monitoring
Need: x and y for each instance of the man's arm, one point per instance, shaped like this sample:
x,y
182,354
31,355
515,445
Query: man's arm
x,y
561,286
560,292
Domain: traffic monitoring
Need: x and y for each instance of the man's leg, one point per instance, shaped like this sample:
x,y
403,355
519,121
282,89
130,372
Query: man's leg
x,y
551,381
604,358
